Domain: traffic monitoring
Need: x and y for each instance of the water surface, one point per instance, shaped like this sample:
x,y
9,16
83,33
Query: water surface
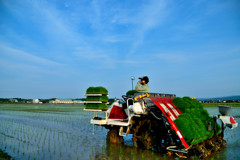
x,y
65,132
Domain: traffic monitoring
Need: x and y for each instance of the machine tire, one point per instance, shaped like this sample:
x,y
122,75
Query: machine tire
x,y
142,136
113,136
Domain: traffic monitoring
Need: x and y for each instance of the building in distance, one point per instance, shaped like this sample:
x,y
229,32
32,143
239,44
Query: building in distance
x,y
65,101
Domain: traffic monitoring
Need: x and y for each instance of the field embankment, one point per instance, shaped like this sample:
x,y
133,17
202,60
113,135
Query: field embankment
x,y
218,104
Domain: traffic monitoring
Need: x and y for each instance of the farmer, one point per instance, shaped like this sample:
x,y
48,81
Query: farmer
x,y
142,85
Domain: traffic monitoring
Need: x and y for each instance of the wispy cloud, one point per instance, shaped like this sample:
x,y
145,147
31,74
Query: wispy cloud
x,y
116,38
87,39
17,68
171,57
149,16
103,59
49,21
87,52
23,56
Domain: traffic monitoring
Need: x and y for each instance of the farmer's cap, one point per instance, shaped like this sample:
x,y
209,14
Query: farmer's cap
x,y
145,78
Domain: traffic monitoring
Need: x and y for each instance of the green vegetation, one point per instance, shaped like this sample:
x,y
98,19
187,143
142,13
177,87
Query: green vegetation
x,y
181,104
217,104
103,99
97,90
193,123
131,92
4,156
102,106
187,103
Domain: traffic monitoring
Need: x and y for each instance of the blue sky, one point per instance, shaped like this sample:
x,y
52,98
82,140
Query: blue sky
x,y
57,48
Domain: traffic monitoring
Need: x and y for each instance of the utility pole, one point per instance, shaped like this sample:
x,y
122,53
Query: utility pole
x,y
132,78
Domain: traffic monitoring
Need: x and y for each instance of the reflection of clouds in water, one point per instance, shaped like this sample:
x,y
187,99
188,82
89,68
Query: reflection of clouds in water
x,y
66,133
49,135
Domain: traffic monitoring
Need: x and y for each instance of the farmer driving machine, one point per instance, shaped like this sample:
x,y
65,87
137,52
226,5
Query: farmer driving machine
x,y
160,122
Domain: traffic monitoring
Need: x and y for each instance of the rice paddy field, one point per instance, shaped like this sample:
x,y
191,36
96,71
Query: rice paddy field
x,y
64,132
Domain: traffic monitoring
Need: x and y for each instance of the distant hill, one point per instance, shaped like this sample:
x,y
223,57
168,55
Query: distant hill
x,y
227,98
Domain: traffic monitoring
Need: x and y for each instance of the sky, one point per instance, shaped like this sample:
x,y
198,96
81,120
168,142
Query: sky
x,y
59,48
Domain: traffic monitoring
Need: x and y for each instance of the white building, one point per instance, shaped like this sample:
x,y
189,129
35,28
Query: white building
x,y
36,101
65,101
13,100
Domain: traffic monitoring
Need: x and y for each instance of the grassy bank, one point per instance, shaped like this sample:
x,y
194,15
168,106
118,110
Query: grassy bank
x,y
4,156
218,104
41,107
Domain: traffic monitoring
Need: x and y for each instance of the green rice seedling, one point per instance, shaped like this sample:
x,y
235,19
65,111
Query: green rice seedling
x,y
100,98
186,126
97,106
143,156
90,90
194,118
189,101
131,151
197,104
131,92
97,90
48,147
181,104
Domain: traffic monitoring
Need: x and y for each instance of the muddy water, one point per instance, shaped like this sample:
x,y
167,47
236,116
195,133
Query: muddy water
x,y
65,132
232,136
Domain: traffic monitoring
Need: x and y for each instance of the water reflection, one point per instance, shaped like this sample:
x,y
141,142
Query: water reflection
x,y
127,151
68,135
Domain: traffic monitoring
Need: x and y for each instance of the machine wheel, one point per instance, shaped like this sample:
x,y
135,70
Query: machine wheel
x,y
142,136
113,136
206,148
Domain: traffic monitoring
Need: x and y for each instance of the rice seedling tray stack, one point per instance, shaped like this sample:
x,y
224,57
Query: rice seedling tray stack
x,y
193,122
97,99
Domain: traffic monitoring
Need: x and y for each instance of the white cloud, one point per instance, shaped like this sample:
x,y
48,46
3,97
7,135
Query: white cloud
x,y
89,53
171,57
18,68
11,53
148,17
115,38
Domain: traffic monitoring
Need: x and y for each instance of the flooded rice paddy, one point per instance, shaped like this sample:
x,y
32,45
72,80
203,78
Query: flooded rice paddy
x,y
64,132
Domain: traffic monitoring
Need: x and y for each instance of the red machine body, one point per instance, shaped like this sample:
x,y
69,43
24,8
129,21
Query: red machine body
x,y
171,112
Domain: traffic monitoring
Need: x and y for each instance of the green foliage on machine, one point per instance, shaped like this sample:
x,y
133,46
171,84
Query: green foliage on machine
x,y
193,123
97,90
97,102
100,98
131,92
181,104
102,106
193,103
186,103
